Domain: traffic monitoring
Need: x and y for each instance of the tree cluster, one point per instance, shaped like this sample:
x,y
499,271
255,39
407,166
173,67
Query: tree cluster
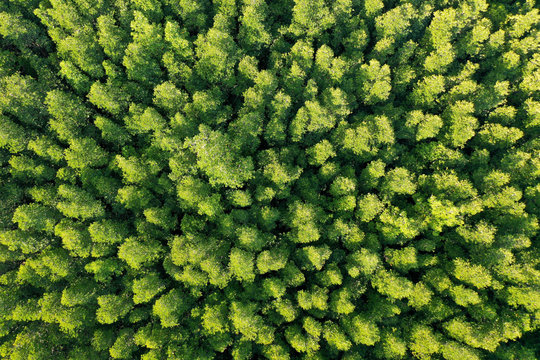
x,y
285,179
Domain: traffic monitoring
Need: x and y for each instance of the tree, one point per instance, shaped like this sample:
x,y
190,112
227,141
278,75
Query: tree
x,y
392,285
104,269
320,152
13,137
329,69
303,221
215,318
311,19
425,92
75,77
112,308
209,107
369,206
139,253
314,257
300,342
475,275
216,54
46,147
78,203
21,32
85,152
371,175
374,82
35,217
81,292
193,193
170,307
271,260
161,217
111,37
440,60
244,320
312,117
83,49
362,262
109,97
24,168
241,265
169,98
362,330
462,123
123,346
135,198
141,58
75,237
251,238
423,126
253,30
302,54
147,287
111,131
402,260
23,98
192,13
137,170
220,165
496,136
279,167
398,181
335,337
280,108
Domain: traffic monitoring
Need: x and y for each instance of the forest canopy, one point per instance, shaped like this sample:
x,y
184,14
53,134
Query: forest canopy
x,y
285,179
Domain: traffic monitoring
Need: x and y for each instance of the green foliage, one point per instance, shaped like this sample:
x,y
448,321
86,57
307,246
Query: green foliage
x,y
147,287
108,97
139,252
112,308
241,265
78,203
231,170
369,206
12,136
84,153
22,99
35,217
74,237
311,179
374,82
169,307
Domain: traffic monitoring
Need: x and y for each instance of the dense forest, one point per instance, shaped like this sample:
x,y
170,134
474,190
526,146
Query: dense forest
x,y
256,179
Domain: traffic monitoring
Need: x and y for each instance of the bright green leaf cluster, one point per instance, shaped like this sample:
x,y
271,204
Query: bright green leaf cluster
x,y
255,179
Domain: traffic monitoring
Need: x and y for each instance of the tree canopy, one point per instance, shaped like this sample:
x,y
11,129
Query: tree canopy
x,y
255,179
